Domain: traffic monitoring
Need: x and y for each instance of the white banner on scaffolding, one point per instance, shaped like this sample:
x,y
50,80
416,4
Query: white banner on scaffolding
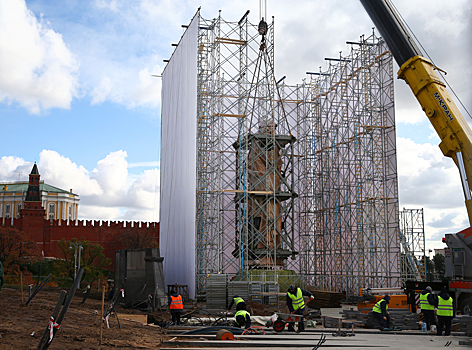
x,y
178,162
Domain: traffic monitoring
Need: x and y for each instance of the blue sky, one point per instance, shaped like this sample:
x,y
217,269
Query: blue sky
x,y
77,95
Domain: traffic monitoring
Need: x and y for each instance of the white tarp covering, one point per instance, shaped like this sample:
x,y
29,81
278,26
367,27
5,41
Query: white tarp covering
x,y
178,162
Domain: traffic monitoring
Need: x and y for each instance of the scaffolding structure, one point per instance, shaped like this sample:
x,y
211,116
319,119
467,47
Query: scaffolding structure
x,y
412,238
352,241
295,178
245,152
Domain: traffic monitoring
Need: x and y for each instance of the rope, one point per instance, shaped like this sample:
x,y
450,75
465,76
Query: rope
x,y
254,329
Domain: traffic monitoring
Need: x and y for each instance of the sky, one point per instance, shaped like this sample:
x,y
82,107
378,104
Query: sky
x,y
77,93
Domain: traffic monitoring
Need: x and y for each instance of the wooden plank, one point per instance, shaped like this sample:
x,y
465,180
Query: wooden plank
x,y
230,41
137,318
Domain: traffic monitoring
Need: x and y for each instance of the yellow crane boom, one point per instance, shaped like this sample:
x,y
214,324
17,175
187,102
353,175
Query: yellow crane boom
x,y
419,73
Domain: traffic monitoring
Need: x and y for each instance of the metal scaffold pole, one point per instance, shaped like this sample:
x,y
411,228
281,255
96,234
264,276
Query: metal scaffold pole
x,y
294,179
352,206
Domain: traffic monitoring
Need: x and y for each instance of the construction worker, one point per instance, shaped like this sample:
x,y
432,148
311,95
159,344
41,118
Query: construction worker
x,y
445,312
427,307
111,289
296,305
176,305
380,311
242,318
238,302
86,294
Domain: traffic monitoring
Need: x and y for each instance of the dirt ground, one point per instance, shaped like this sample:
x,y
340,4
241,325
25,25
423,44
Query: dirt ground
x,y
21,327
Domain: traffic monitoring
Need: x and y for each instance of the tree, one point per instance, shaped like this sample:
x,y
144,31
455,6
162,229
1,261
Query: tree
x,y
136,238
16,249
429,268
92,259
439,265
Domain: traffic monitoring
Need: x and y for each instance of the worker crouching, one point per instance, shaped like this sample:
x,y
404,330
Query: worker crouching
x,y
296,305
238,302
176,305
380,311
242,318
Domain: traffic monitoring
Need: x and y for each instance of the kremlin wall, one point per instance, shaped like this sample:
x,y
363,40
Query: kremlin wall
x,y
47,233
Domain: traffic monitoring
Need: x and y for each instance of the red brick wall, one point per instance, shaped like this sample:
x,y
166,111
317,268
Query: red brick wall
x,y
47,233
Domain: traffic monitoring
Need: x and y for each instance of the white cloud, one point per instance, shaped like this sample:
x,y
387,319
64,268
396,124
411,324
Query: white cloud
x,y
431,181
434,136
38,71
142,191
129,87
12,168
137,197
426,177
61,172
147,90
108,192
143,164
121,43
112,5
101,92
95,212
111,173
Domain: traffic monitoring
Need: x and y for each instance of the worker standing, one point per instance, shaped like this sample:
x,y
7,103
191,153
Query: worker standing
x,y
445,312
242,318
238,302
427,306
380,311
176,306
296,305
86,294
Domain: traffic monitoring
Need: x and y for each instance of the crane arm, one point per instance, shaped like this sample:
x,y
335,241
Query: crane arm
x,y
419,73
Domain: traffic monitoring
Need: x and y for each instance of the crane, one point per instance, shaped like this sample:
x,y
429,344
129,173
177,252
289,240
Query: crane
x,y
455,134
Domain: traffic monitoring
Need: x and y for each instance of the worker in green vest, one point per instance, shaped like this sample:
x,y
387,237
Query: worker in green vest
x,y
380,311
427,302
238,302
296,305
242,318
445,312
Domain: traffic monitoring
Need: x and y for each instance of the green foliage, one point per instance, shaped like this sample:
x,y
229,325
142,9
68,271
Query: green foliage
x,y
92,259
47,267
439,265
429,268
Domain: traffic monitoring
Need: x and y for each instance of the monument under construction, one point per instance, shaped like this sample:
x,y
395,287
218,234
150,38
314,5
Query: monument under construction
x,y
263,178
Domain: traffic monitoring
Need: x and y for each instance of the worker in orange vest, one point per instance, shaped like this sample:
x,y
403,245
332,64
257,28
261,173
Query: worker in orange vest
x,y
176,305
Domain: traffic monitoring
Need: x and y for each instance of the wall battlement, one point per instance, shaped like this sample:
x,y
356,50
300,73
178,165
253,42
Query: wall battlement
x,y
102,223
47,233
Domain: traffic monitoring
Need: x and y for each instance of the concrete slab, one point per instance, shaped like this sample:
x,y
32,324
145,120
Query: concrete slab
x,y
336,311
308,341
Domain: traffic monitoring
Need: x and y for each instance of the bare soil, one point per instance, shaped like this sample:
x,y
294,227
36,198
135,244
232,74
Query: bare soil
x,y
21,327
